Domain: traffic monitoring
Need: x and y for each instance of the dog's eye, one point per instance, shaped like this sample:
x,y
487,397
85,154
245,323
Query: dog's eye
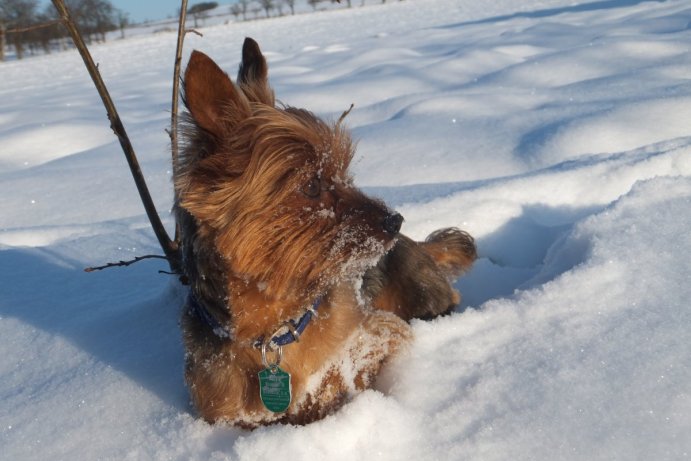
x,y
313,188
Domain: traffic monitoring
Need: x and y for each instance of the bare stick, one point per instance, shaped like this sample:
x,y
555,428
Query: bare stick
x,y
176,86
124,263
173,133
169,247
193,31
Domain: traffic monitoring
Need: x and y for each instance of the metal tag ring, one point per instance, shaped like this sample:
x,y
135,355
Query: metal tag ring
x,y
279,356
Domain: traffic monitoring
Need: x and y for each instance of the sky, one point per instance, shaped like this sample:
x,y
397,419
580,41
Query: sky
x,y
150,9
140,11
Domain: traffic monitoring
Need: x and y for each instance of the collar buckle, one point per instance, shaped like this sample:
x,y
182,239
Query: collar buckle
x,y
295,329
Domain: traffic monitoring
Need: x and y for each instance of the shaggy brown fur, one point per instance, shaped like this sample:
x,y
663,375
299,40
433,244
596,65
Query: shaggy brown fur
x,y
270,222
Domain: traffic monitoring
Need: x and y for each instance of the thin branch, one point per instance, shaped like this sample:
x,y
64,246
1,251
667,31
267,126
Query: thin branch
x,y
18,30
124,263
193,31
344,114
169,247
176,86
173,133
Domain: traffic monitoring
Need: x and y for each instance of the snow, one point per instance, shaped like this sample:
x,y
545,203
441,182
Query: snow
x,y
555,133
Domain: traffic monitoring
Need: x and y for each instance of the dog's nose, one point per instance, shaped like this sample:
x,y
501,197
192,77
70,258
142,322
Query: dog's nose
x,y
392,223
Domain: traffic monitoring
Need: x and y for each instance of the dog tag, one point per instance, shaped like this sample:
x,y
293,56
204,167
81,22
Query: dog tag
x,y
274,389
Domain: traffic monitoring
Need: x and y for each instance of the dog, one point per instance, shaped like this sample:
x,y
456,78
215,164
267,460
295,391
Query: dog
x,y
301,286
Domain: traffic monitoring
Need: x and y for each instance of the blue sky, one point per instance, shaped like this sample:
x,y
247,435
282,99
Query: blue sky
x,y
139,10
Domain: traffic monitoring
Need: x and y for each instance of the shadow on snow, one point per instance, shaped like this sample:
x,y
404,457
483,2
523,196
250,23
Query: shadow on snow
x,y
548,12
126,318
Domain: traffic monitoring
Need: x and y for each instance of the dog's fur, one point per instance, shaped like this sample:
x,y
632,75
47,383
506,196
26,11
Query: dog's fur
x,y
270,221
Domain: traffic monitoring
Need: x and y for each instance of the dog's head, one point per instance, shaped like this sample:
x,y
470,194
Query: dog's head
x,y
270,187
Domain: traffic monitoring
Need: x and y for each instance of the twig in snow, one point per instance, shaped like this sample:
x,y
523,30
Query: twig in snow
x,y
170,248
124,263
173,133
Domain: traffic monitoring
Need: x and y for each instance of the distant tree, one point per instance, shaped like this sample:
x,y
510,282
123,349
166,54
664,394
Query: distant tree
x,y
44,32
244,6
3,39
200,11
236,10
16,14
255,9
103,16
123,22
314,4
291,5
93,17
203,6
267,5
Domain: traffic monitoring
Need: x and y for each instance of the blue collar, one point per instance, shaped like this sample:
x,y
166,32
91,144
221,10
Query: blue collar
x,y
295,327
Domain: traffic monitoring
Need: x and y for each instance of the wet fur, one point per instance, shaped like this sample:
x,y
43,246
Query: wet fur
x,y
260,244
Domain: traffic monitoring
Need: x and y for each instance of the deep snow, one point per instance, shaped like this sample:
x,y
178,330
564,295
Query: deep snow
x,y
556,133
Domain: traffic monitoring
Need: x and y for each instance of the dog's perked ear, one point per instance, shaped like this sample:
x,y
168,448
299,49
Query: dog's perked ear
x,y
209,94
253,67
253,75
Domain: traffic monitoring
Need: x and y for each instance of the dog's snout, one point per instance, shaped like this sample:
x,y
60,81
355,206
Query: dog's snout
x,y
392,223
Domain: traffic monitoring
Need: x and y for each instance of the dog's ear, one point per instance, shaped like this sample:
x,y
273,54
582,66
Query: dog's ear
x,y
210,95
253,75
253,67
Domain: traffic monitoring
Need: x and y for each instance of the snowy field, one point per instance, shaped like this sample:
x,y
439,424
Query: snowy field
x,y
558,133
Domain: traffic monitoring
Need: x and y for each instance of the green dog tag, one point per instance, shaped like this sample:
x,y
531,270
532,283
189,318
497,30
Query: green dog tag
x,y
274,389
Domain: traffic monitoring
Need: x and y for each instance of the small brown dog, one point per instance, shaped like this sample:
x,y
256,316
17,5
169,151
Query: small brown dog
x,y
301,285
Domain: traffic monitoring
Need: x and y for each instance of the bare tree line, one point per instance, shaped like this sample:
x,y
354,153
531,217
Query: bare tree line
x,y
252,9
27,29
246,10
243,7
